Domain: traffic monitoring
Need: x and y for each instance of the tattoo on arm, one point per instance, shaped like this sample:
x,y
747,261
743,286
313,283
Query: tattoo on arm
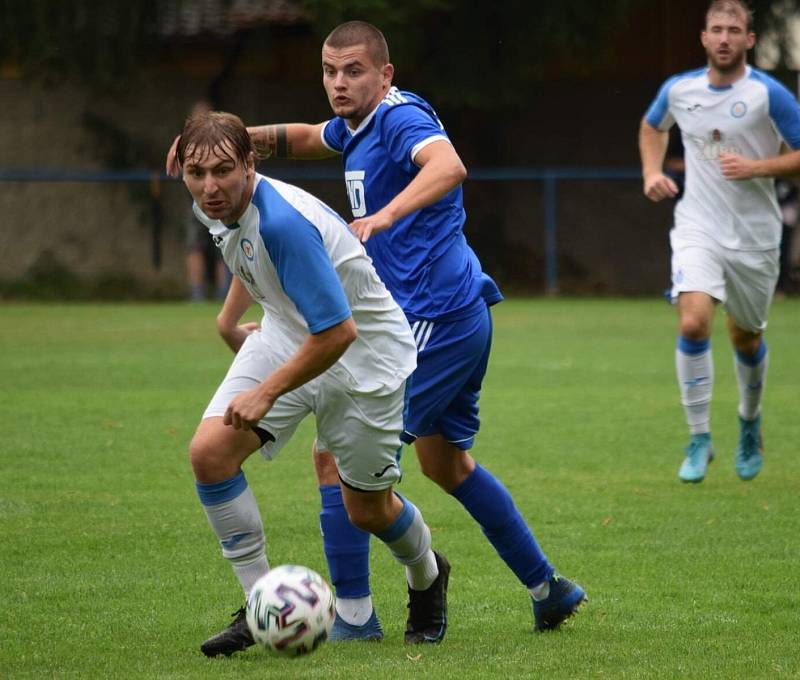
x,y
273,142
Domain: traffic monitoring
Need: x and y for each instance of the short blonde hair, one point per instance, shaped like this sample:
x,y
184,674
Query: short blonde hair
x,y
733,7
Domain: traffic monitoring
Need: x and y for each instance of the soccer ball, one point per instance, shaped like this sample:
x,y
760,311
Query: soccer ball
x,y
290,610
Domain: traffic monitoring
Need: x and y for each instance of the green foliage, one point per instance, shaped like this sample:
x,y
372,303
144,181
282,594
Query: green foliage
x,y
486,54
103,44
499,48
110,569
325,14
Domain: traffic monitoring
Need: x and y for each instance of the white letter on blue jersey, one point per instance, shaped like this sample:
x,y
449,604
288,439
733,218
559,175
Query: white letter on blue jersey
x,y
355,192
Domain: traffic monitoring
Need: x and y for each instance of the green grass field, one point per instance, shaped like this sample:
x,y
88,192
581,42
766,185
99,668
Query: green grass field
x,y
109,570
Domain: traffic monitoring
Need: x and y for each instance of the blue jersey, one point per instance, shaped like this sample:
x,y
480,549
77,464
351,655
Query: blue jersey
x,y
424,258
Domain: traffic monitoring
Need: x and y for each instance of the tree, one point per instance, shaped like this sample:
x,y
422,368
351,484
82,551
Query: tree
x,y
454,48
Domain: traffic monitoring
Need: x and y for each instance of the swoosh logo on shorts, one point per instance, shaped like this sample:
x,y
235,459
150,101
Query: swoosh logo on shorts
x,y
383,472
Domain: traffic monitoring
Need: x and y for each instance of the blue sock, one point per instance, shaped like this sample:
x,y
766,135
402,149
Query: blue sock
x,y
491,506
346,546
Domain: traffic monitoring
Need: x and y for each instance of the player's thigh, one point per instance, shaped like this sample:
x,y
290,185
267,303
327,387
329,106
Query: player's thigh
x,y
252,364
697,268
751,277
362,431
450,370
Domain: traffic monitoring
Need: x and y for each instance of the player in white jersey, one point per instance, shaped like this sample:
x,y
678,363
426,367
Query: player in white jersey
x,y
403,179
332,342
734,121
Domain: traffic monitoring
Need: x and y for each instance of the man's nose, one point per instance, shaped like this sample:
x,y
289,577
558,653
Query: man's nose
x,y
209,185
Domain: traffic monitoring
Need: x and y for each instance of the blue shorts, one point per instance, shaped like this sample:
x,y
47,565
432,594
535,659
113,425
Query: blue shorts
x,y
446,385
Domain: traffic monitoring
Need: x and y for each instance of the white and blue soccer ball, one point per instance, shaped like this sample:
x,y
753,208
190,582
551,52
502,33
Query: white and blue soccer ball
x,y
291,610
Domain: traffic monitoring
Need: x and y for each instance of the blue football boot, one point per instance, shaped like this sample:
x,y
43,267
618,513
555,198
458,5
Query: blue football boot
x,y
343,631
563,601
699,454
750,451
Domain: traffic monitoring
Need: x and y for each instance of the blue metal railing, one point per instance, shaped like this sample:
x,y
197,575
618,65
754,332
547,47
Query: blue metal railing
x,y
548,176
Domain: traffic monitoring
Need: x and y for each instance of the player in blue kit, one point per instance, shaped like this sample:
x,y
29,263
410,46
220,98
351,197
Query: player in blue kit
x,y
332,342
403,180
734,121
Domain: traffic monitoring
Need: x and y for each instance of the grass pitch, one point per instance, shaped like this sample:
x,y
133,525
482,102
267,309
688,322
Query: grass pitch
x,y
109,569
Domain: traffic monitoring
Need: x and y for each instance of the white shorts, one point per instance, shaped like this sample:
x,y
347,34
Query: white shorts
x,y
742,280
362,431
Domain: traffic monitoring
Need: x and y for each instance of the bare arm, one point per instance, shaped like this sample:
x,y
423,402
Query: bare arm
x,y
736,167
315,356
289,140
284,140
441,171
652,149
236,304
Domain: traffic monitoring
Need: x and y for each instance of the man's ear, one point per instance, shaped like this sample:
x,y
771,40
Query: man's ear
x,y
388,73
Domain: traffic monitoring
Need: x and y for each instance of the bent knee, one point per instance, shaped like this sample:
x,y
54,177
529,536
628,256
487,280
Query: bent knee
x,y
436,473
372,512
746,342
216,454
694,327
202,457
449,470
366,520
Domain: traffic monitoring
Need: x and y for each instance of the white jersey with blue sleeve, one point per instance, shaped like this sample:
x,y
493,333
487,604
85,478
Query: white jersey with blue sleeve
x,y
424,258
752,117
300,262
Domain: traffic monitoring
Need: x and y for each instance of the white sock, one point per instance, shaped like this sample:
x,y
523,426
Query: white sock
x,y
751,375
695,381
354,610
409,539
541,591
233,515
249,573
421,574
